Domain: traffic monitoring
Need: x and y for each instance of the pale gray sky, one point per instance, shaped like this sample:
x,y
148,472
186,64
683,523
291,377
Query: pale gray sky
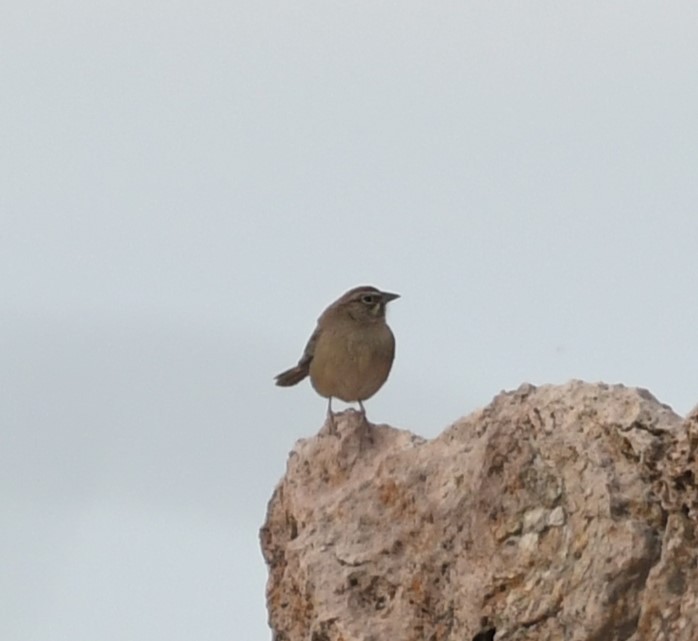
x,y
185,186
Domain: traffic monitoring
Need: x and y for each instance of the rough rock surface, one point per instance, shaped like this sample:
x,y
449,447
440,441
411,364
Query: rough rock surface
x,y
556,513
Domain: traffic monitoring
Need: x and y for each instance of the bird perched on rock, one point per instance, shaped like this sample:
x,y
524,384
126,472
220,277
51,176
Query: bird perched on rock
x,y
351,351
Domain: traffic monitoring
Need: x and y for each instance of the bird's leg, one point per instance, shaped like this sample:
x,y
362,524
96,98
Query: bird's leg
x,y
365,430
330,417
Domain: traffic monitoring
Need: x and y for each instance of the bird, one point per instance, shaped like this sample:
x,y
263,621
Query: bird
x,y
351,351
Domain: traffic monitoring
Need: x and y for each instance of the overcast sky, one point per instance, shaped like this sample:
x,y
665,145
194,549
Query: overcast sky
x,y
186,185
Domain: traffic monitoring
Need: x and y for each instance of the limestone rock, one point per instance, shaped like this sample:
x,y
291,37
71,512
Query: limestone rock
x,y
555,513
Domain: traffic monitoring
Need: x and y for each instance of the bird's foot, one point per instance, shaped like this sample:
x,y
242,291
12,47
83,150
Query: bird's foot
x,y
331,423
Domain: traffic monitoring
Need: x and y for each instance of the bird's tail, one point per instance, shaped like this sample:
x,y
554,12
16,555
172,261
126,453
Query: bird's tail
x,y
292,376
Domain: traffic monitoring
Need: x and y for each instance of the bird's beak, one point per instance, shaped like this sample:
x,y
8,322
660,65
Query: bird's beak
x,y
387,296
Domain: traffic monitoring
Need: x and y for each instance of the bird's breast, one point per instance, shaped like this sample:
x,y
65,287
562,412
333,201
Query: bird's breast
x,y
351,361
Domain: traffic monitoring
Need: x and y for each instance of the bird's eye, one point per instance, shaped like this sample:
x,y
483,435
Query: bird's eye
x,y
369,299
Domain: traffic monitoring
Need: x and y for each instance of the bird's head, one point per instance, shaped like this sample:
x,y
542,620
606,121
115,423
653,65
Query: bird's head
x,y
365,304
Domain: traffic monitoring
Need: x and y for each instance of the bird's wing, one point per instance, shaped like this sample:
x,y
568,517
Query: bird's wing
x,y
302,369
309,350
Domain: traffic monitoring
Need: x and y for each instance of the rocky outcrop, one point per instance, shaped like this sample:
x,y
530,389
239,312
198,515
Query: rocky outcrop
x,y
555,513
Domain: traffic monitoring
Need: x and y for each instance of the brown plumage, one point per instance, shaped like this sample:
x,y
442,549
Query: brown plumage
x,y
351,351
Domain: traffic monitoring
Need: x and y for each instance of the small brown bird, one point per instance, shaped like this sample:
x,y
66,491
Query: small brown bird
x,y
351,351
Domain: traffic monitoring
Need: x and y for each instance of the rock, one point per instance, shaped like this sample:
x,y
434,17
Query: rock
x,y
555,513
